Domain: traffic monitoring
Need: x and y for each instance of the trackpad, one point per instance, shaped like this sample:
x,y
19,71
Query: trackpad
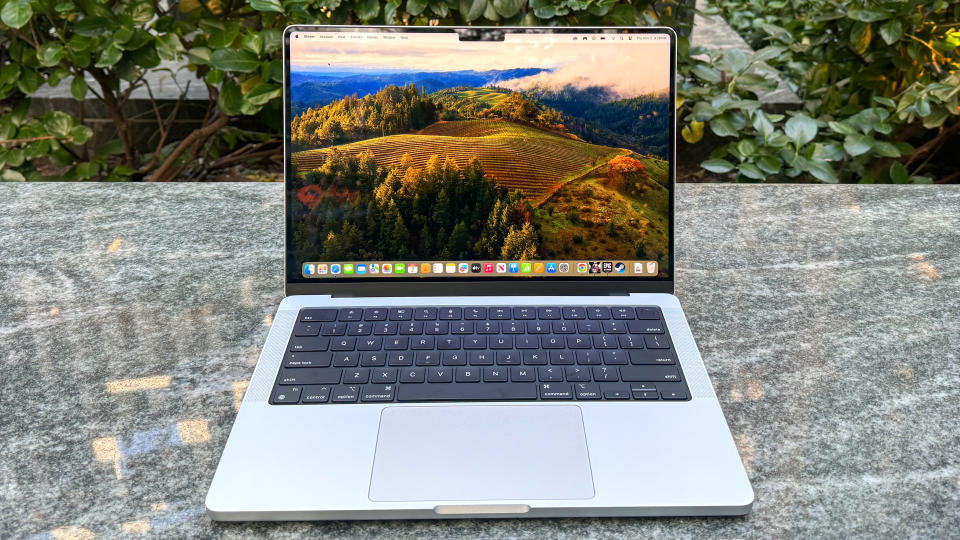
x,y
481,453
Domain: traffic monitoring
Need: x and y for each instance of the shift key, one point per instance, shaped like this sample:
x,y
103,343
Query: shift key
x,y
305,376
649,373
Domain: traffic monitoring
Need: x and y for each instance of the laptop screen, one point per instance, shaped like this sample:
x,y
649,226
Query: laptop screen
x,y
421,155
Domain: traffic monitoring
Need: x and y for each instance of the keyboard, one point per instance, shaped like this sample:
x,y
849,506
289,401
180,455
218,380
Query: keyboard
x,y
479,353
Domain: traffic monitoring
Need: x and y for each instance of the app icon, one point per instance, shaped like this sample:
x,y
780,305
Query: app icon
x,y
413,268
321,269
334,268
387,268
620,267
563,268
487,268
463,268
514,267
551,268
399,268
437,268
594,267
538,268
501,268
374,268
475,267
652,267
348,268
451,268
582,267
607,267
361,269
425,268
637,268
526,267
308,270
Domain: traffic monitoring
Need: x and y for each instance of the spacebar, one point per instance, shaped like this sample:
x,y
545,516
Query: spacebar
x,y
466,392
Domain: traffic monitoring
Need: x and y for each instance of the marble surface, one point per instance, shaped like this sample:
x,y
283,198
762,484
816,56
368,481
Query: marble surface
x,y
131,317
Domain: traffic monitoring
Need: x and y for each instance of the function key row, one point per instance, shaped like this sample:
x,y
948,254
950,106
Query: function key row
x,y
479,313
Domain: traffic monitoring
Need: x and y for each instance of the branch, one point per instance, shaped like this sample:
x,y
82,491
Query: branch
x,y
166,172
28,140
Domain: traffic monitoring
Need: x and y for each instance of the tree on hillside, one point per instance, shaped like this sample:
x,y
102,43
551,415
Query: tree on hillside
x,y
520,243
628,175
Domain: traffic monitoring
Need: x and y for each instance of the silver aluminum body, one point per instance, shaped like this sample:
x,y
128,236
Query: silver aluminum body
x,y
298,462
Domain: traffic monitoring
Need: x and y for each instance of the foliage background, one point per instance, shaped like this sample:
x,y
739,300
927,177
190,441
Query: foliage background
x,y
879,81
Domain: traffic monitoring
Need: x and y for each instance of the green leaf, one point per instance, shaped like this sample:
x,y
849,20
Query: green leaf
x,y
471,10
769,164
272,39
80,134
262,94
112,147
693,132
885,101
234,60
10,175
84,171
707,73
722,127
199,55
751,171
623,15
717,165
367,9
856,144
16,13
801,129
507,8
736,59
266,5
886,149
252,43
747,147
891,31
867,15
416,7
58,124
762,124
230,99
767,53
49,54
109,57
9,74
821,170
29,81
898,173
860,36
78,87
841,128
169,46
213,77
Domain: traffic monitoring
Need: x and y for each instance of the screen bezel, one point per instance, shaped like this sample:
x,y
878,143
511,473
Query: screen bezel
x,y
296,284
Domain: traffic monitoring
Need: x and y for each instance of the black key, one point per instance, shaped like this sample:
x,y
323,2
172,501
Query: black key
x,y
561,358
589,358
356,375
401,343
615,391
673,391
645,394
315,394
614,358
436,328
423,343
656,341
587,391
650,373
454,358
548,313
400,358
598,312
577,373
499,313
467,374
613,327
574,313
286,395
605,342
508,358
346,393
487,327
534,358
309,344
524,313
622,312
318,315
375,314
645,327
522,374
643,387
527,342
501,342
538,327
564,327
383,375
351,314
552,390
425,314
451,313
343,344
301,377
466,392
588,327
411,328
448,343
385,329
604,373
333,329
306,329
413,375
439,375
512,327
462,327
378,392
475,342
481,358
373,359
648,313
348,359
652,356
307,359
400,314
550,374
494,374
428,358
370,344
475,313
630,341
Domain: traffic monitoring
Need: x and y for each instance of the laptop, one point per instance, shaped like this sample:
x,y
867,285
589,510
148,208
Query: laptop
x,y
479,268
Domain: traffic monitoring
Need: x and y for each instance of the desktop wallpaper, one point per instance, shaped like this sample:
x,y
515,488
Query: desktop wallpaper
x,y
431,149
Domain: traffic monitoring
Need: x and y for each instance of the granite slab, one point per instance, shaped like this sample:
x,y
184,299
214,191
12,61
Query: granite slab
x,y
131,317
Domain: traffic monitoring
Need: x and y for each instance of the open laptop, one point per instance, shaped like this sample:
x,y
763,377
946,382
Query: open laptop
x,y
479,318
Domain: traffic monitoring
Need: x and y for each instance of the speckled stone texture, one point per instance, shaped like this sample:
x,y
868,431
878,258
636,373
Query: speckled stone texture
x,y
131,317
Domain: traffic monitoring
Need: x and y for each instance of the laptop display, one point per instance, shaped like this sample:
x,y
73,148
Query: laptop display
x,y
425,155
